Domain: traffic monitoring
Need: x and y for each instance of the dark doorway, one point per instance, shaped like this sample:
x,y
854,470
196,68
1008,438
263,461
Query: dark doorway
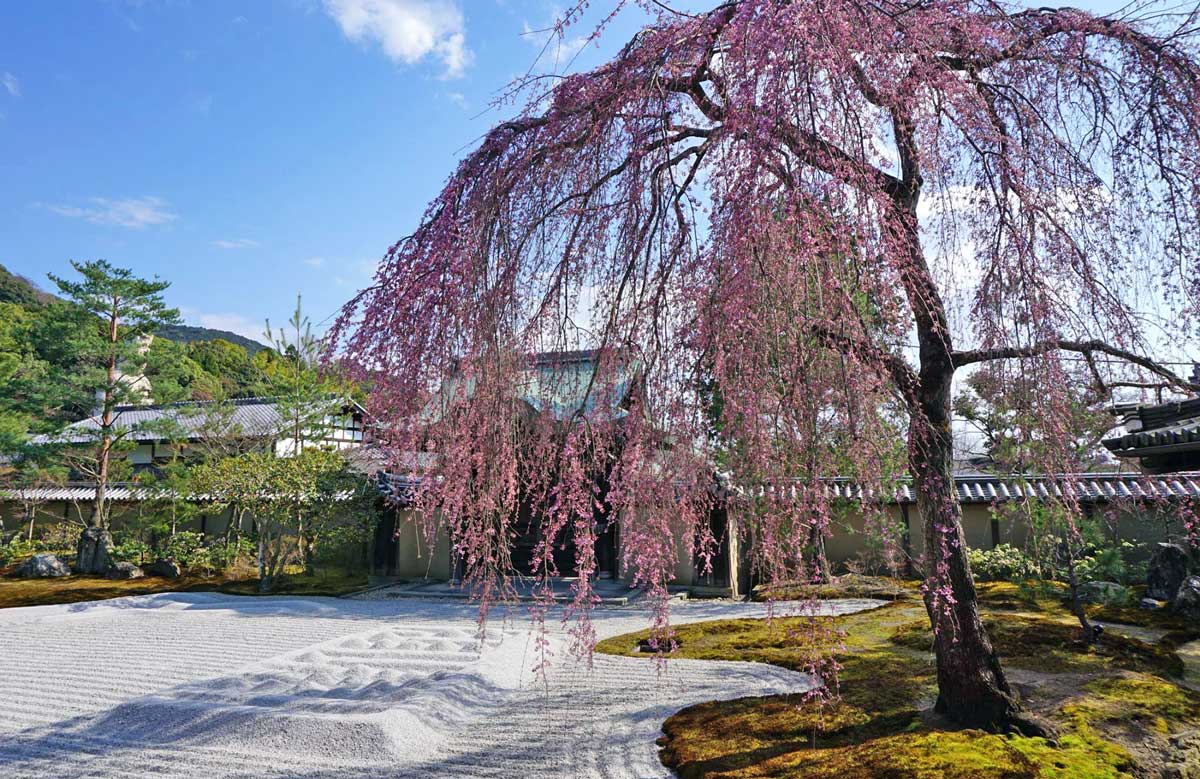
x,y
528,530
718,575
385,552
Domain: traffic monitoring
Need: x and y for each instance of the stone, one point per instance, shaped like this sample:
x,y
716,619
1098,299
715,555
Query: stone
x,y
645,645
94,551
1182,760
1187,600
1103,592
124,571
43,566
167,569
1168,568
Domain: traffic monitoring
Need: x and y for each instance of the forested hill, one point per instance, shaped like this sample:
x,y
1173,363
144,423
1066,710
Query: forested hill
x,y
24,292
185,334
43,348
20,290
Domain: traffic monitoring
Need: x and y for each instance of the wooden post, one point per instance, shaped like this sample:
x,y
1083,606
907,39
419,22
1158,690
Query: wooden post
x,y
906,539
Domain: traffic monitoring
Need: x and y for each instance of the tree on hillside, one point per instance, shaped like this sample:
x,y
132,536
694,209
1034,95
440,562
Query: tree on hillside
x,y
227,362
944,184
20,291
113,359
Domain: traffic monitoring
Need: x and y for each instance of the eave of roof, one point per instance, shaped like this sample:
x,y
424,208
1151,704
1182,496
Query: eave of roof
x,y
1182,436
972,489
252,418
122,492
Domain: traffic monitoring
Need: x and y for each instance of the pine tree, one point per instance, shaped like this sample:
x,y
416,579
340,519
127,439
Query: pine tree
x,y
112,356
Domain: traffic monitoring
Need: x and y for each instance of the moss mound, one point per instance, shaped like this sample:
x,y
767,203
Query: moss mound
x,y
847,586
1115,705
928,754
77,589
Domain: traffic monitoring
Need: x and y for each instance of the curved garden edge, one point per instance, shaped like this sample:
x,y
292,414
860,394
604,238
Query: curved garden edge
x,y
1122,709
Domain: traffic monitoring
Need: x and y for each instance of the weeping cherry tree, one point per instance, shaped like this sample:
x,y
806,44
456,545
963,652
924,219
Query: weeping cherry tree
x,y
794,222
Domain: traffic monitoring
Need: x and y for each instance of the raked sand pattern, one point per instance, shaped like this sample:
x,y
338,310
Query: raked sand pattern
x,y
203,686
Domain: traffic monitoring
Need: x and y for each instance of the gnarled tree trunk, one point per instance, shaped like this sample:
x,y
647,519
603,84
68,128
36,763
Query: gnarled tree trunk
x,y
972,688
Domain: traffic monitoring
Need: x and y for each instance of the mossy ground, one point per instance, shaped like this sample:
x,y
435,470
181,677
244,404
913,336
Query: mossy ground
x,y
75,589
1115,705
848,586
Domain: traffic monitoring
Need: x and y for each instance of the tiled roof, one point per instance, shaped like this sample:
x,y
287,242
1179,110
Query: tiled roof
x,y
1087,488
75,492
1181,435
85,492
248,418
1084,487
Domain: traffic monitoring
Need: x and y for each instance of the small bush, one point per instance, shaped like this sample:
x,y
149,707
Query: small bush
x,y
340,547
183,548
16,550
1108,564
1004,563
223,556
193,554
131,551
60,536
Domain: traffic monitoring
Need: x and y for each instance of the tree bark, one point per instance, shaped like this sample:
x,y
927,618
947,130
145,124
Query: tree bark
x,y
98,517
972,688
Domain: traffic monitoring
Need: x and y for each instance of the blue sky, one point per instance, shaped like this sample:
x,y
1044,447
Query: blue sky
x,y
246,151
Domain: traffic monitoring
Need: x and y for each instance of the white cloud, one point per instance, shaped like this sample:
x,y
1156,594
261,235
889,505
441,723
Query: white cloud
x,y
407,30
236,243
458,98
10,83
135,213
315,262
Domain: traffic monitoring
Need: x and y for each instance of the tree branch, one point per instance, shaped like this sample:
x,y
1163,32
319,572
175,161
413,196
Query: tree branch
x,y
1086,348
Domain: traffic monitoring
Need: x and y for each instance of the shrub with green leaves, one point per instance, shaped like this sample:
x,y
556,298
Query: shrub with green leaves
x,y
1003,563
187,549
16,550
1108,564
59,537
131,550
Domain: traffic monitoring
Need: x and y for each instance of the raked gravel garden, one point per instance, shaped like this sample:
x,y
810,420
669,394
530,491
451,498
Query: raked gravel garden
x,y
207,685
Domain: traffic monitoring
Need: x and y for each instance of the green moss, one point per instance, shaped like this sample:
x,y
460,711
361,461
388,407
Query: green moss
x,y
847,586
1133,702
875,728
76,589
1035,596
1160,619
1053,645
692,748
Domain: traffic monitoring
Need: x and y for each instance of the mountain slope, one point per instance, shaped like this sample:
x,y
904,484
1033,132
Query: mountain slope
x,y
187,333
20,290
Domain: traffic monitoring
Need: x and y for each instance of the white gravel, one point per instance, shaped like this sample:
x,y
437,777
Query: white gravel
x,y
200,686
